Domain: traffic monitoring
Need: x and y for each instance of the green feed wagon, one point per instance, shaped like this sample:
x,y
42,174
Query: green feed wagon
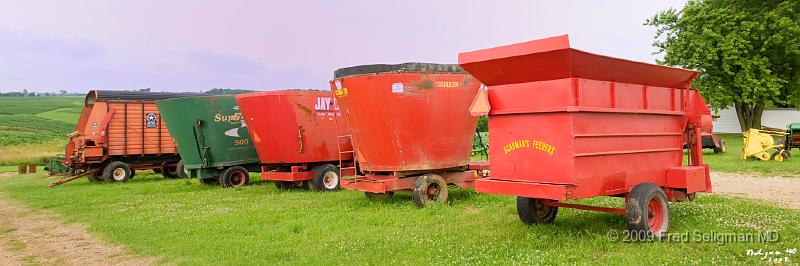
x,y
212,138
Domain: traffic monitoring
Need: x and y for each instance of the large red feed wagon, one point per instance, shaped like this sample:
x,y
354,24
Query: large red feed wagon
x,y
295,136
119,132
411,128
566,124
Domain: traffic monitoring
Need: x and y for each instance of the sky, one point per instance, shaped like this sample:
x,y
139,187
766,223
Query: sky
x,y
178,45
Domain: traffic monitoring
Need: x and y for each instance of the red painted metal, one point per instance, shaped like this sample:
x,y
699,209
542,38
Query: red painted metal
x,y
292,128
297,173
567,124
421,124
405,124
584,207
385,183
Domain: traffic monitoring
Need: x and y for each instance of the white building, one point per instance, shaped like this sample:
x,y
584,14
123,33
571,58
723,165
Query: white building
x,y
774,117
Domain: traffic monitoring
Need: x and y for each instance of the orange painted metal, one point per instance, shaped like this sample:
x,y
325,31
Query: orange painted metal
x,y
567,124
126,127
292,128
409,121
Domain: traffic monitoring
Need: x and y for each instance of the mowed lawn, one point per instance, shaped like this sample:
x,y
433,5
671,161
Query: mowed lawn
x,y
732,162
186,223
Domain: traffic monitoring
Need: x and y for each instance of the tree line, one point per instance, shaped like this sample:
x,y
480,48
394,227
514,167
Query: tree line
x,y
747,52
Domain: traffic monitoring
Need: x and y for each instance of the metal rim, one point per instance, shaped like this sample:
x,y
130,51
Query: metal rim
x,y
433,191
237,179
655,215
330,180
118,174
541,209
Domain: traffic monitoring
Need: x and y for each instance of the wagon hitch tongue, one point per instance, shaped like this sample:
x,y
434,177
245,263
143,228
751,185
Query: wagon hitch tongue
x,y
68,179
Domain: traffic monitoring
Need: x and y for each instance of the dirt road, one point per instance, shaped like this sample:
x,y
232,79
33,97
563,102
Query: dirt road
x,y
785,192
37,238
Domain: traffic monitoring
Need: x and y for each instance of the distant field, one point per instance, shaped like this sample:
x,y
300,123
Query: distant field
x,y
35,105
33,128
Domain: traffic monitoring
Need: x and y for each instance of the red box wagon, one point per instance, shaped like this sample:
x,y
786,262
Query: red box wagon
x,y
566,124
119,132
411,128
295,136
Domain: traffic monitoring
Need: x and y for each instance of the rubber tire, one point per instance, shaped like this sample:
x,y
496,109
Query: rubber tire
x,y
209,181
108,172
533,211
722,147
318,178
226,179
96,177
376,196
782,152
421,185
133,173
636,210
284,184
169,171
181,169
157,170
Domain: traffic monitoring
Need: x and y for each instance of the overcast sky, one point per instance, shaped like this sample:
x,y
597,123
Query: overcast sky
x,y
264,45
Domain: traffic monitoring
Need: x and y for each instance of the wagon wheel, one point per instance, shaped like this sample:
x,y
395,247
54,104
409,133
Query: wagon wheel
x,y
429,188
325,178
534,211
117,171
647,211
779,155
722,147
375,196
181,168
169,171
234,177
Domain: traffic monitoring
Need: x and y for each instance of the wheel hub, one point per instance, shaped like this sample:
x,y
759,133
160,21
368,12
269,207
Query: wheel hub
x,y
432,191
118,174
237,179
655,215
330,180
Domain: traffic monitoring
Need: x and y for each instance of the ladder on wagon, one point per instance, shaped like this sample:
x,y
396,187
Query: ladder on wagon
x,y
347,167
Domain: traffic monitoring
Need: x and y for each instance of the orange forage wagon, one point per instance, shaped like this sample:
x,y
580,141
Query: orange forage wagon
x,y
119,132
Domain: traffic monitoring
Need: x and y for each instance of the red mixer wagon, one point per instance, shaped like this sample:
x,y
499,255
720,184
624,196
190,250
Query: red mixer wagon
x,y
566,124
295,134
411,128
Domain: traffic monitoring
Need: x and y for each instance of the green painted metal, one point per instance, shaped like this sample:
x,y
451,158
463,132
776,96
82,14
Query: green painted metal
x,y
210,132
794,127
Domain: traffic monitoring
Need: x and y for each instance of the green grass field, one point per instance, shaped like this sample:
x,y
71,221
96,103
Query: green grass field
x,y
186,223
34,128
731,160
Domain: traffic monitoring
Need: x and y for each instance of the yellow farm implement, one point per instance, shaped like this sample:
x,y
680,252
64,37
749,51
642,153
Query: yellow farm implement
x,y
759,143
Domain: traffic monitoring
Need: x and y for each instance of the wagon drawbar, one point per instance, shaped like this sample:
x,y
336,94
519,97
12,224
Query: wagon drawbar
x,y
566,124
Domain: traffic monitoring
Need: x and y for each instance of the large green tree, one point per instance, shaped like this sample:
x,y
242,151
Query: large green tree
x,y
747,52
